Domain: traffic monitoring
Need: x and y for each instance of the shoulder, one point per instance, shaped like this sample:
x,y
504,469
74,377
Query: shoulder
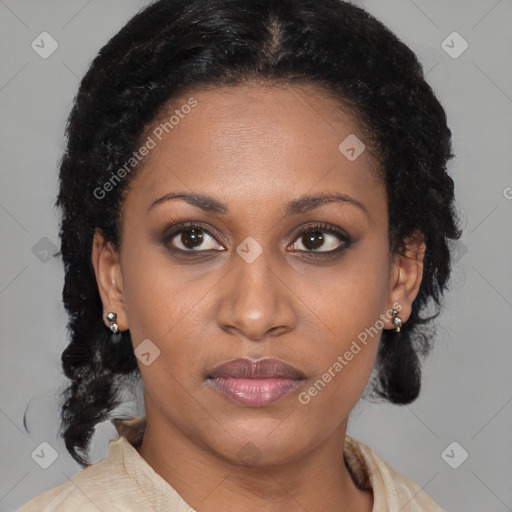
x,y
90,490
65,497
392,490
121,482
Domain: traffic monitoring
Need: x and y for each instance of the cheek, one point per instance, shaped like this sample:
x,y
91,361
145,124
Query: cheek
x,y
350,296
155,294
349,324
163,304
344,356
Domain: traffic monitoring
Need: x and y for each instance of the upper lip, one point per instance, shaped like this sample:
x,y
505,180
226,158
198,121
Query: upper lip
x,y
262,368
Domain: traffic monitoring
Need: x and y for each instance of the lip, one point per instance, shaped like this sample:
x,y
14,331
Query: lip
x,y
255,383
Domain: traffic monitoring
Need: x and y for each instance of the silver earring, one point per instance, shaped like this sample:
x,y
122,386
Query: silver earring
x,y
111,317
397,321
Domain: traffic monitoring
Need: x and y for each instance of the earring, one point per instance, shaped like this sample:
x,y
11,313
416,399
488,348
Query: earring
x,y
111,317
397,321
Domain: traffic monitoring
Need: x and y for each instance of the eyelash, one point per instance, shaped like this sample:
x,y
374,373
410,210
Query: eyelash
x,y
322,227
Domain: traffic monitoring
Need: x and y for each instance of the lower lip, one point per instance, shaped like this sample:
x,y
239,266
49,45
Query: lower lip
x,y
255,392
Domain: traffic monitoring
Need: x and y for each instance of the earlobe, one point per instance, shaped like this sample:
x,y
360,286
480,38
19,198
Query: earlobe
x,y
107,269
407,274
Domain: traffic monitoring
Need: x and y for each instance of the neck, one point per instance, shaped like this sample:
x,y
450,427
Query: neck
x,y
319,480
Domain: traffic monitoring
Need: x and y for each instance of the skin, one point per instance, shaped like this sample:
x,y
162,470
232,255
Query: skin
x,y
255,148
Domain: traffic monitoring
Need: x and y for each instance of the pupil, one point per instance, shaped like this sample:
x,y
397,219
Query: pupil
x,y
191,238
309,239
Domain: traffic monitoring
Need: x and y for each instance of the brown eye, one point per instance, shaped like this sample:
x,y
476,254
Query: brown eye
x,y
321,237
193,238
312,239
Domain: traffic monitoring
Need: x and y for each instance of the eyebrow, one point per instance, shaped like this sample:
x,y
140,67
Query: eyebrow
x,y
294,207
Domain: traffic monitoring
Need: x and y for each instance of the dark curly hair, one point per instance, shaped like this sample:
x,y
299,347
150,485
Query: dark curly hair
x,y
175,46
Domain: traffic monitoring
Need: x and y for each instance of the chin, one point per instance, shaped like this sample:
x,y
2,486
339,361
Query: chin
x,y
259,442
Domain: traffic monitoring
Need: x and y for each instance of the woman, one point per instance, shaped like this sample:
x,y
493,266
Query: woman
x,y
255,213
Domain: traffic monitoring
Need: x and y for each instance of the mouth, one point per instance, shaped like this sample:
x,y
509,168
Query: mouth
x,y
255,383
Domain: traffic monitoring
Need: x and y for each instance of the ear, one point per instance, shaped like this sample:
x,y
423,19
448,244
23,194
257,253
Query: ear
x,y
406,275
105,260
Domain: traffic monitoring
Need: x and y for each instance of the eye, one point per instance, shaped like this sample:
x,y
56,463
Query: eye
x,y
192,238
318,238
321,238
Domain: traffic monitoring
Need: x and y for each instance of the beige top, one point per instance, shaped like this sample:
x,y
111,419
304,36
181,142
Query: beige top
x,y
123,482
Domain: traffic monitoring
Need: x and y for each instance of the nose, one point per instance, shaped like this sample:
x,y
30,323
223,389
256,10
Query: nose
x,y
257,302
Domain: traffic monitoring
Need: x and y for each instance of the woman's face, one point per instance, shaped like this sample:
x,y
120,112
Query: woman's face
x,y
248,280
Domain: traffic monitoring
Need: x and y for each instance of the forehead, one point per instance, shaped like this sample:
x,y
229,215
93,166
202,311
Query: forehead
x,y
251,143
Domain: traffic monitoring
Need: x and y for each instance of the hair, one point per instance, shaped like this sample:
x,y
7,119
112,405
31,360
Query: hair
x,y
174,46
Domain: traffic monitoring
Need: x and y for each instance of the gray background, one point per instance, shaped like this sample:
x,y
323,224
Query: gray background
x,y
467,390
